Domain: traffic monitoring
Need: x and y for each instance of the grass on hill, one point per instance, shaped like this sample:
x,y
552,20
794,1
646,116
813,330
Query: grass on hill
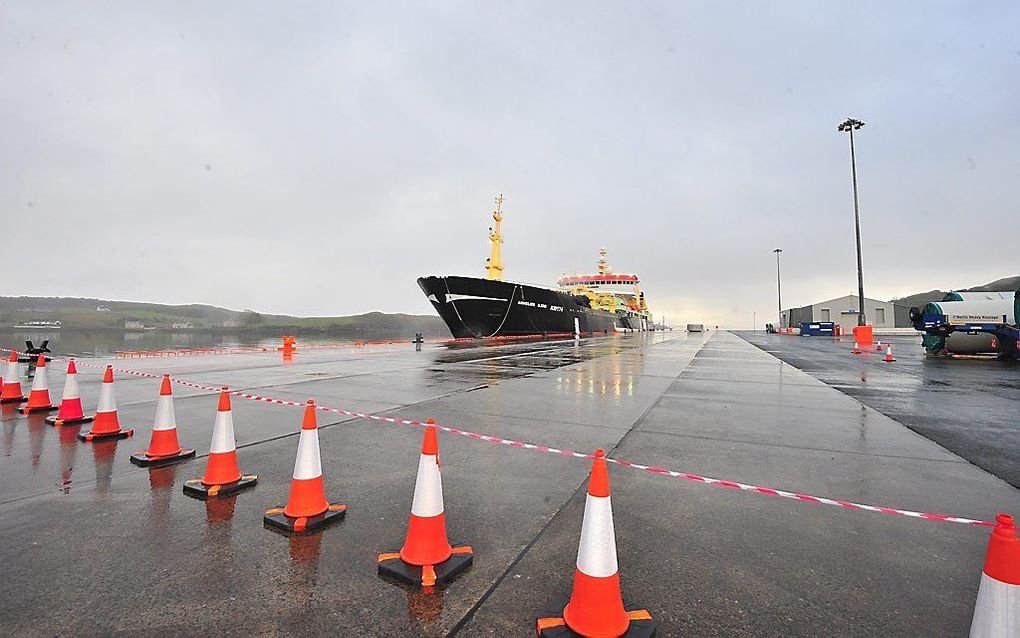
x,y
77,313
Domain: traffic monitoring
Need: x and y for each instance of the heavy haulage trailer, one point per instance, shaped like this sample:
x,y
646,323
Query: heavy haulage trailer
x,y
971,323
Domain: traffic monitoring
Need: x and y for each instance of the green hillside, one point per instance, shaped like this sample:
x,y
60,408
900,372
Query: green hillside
x,y
921,298
99,314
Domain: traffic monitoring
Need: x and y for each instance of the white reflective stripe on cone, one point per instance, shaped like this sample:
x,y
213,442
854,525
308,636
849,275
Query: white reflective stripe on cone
x,y
596,555
71,387
107,402
12,372
428,488
997,612
39,382
223,433
165,419
307,464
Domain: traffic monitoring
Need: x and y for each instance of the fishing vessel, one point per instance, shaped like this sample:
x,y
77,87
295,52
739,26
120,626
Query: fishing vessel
x,y
481,307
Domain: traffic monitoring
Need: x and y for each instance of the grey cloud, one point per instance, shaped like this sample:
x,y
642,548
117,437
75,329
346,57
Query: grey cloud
x,y
316,158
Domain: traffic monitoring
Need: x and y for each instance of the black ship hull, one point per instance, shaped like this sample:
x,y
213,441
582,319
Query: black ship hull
x,y
473,307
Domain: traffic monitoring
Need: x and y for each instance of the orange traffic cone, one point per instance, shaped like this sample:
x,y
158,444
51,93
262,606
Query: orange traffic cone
x,y
857,348
888,354
71,410
106,425
12,384
307,509
39,397
878,345
997,611
595,607
427,557
164,449
222,475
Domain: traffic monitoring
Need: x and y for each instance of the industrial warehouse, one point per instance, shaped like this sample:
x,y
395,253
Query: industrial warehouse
x,y
843,311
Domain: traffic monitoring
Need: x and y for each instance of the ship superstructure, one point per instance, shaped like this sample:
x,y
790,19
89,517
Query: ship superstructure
x,y
609,291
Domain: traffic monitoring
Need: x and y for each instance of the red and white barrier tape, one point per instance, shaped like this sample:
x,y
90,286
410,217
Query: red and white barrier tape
x,y
195,352
820,500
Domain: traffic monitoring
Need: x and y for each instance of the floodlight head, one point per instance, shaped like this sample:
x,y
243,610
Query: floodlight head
x,y
849,124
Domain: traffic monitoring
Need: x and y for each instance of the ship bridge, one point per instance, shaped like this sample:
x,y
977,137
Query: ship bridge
x,y
598,280
606,289
605,277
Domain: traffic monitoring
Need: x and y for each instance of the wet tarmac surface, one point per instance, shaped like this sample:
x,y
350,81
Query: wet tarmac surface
x,y
93,544
971,406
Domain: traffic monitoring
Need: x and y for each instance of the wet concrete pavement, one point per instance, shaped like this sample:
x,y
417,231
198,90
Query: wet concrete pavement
x,y
970,406
94,545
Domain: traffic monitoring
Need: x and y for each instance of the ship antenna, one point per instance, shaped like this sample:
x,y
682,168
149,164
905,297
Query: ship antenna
x,y
603,264
494,264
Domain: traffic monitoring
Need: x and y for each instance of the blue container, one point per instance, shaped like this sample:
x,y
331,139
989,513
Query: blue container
x,y
816,328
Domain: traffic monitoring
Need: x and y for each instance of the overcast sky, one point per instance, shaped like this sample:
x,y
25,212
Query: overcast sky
x,y
315,158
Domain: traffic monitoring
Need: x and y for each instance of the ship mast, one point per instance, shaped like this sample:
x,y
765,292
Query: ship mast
x,y
494,264
604,268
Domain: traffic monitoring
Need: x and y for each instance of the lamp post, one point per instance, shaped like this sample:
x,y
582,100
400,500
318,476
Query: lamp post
x,y
849,126
779,286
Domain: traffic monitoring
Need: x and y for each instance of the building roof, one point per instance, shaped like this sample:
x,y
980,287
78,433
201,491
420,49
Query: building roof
x,y
841,300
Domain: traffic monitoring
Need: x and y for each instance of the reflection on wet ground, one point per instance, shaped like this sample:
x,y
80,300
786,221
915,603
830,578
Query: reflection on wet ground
x,y
103,453
220,511
424,607
970,406
161,483
68,435
539,355
9,428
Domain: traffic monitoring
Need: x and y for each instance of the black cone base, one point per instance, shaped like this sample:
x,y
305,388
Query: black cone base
x,y
393,568
119,434
551,625
141,459
49,408
52,420
195,489
277,521
14,400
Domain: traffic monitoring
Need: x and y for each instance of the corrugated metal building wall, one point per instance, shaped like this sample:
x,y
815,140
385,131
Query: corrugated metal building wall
x,y
843,310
